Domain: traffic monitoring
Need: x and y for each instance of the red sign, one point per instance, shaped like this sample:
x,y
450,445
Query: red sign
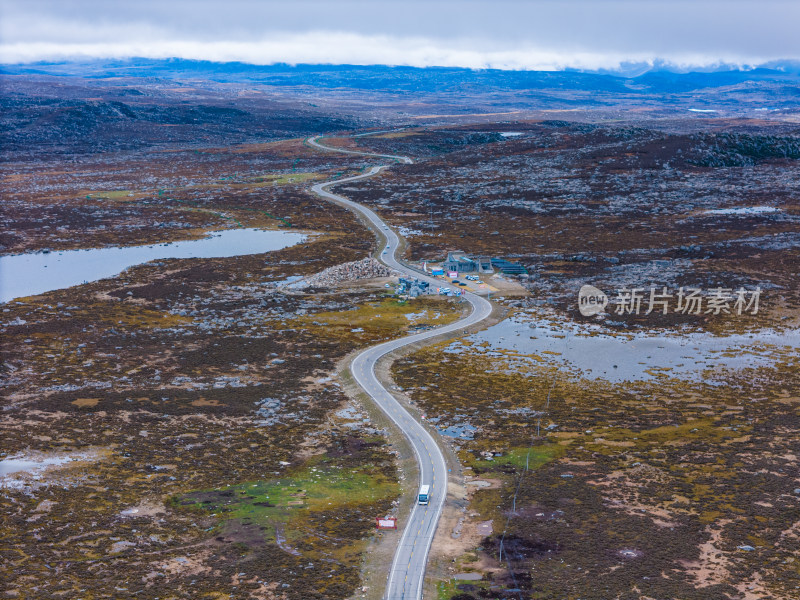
x,y
386,522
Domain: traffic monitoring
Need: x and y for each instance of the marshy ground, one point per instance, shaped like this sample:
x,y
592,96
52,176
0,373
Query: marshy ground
x,y
189,408
201,447
671,476
680,485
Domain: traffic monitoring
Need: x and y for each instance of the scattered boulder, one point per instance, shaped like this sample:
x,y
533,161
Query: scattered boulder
x,y
367,268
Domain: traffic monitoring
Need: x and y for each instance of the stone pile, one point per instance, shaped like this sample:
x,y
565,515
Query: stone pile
x,y
366,268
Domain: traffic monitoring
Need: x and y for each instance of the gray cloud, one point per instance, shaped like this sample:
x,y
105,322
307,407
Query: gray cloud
x,y
504,33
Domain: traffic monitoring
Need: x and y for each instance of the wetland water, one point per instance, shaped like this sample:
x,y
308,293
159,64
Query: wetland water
x,y
590,351
30,274
15,465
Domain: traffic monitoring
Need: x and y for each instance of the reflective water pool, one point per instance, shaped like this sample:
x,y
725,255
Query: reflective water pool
x,y
30,274
592,352
15,465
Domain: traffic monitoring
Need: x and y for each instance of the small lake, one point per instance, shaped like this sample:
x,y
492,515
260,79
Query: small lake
x,y
592,352
30,274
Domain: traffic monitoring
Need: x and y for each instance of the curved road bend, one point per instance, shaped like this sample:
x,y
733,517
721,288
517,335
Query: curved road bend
x,y
405,581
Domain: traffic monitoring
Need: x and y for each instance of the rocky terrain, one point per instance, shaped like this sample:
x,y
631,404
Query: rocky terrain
x,y
366,268
179,430
46,115
612,206
668,485
195,405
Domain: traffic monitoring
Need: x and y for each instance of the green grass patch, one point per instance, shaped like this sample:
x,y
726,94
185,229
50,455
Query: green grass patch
x,y
447,589
287,178
534,456
378,320
197,206
109,195
695,429
319,486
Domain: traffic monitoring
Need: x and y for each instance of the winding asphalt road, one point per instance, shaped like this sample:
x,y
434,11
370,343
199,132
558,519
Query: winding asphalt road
x,y
405,579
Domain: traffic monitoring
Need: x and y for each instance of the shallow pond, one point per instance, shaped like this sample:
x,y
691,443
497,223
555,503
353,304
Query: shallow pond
x,y
459,430
16,465
743,210
592,352
462,431
30,274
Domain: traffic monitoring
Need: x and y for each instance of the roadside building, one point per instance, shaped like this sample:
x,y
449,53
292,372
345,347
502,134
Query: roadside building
x,y
484,264
460,262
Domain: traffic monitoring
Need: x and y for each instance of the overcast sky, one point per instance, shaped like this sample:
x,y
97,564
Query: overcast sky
x,y
516,34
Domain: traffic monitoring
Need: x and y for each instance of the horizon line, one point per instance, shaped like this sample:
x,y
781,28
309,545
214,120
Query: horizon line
x,y
644,66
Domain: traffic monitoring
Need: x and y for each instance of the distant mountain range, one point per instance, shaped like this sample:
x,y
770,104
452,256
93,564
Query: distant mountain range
x,y
630,78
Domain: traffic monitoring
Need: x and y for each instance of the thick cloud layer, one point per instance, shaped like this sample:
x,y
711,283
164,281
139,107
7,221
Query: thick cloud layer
x,y
588,34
